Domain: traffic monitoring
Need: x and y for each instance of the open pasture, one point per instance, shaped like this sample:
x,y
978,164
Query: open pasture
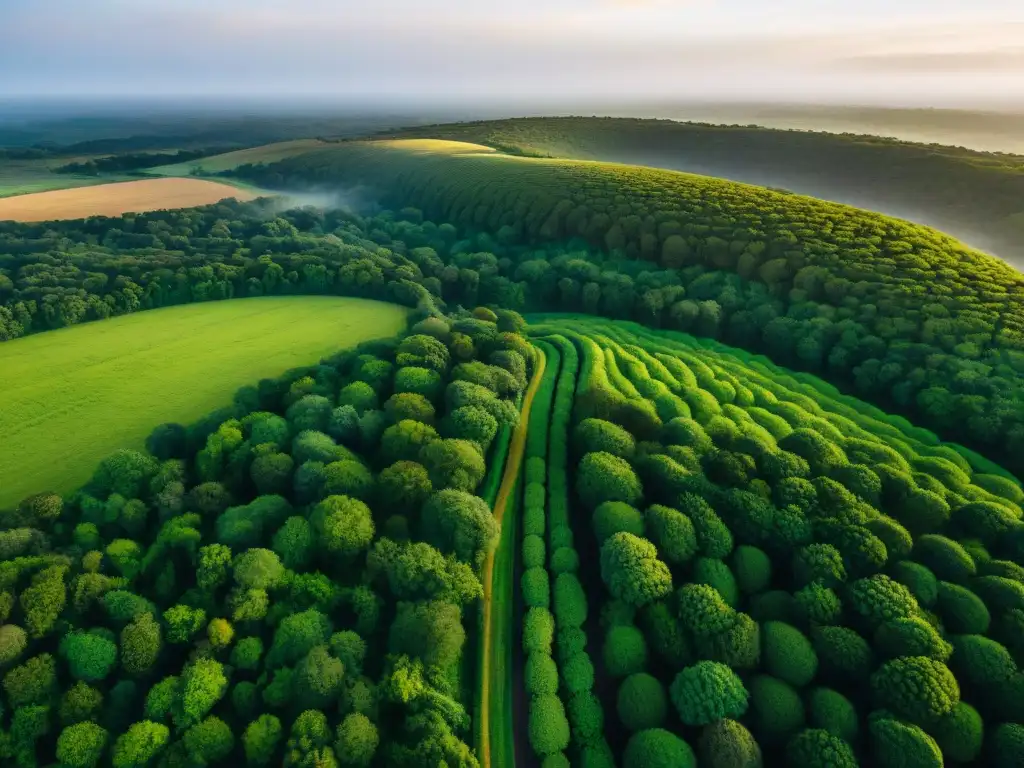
x,y
72,396
268,153
118,198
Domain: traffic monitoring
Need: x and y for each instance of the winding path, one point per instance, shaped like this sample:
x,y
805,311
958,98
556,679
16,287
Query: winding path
x,y
513,463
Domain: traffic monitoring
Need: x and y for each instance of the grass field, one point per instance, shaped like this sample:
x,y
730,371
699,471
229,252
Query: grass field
x,y
119,198
72,396
24,177
268,153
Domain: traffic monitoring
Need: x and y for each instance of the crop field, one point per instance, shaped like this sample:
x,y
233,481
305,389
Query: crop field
x,y
268,153
114,199
783,573
74,395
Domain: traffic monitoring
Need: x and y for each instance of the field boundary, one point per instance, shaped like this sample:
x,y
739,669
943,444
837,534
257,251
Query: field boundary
x,y
510,478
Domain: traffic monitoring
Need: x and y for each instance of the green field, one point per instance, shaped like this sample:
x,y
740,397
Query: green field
x,y
22,177
74,395
269,153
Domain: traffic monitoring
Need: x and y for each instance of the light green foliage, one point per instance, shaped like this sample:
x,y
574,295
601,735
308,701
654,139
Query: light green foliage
x,y
209,741
260,740
657,748
708,691
203,684
81,745
548,728
962,611
918,579
611,517
292,331
258,569
453,464
818,604
357,740
632,571
344,526
819,561
296,636
592,435
878,599
140,644
945,558
603,477
717,574
140,744
911,636
183,622
672,533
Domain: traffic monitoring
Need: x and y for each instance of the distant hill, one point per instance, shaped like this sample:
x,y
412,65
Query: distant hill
x,y
976,196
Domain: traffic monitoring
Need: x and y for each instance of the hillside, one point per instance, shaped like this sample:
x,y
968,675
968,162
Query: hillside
x,y
228,161
898,312
977,196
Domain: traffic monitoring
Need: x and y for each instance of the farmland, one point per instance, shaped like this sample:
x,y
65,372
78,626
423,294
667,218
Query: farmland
x,y
73,396
116,199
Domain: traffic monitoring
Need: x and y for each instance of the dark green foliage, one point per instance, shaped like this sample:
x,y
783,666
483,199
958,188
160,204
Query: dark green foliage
x,y
90,655
960,734
641,702
918,579
714,539
538,631
460,523
540,674
819,561
657,748
708,691
788,654
1006,745
843,653
945,558
357,740
818,604
878,599
777,709
343,526
897,744
962,611
592,435
917,688
833,712
672,533
665,635
625,651
980,661
738,646
611,517
728,744
752,568
911,636
536,589
817,748
717,574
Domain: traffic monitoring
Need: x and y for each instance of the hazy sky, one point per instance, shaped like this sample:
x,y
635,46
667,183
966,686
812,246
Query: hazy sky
x,y
901,51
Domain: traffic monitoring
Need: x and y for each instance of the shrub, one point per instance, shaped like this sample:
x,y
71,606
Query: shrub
x,y
947,559
702,610
917,688
708,691
918,579
592,435
788,654
570,601
641,702
980,660
752,568
843,653
632,571
611,517
625,651
665,635
540,674
897,539
777,711
960,734
1006,745
819,562
818,604
90,655
999,593
657,748
716,573
896,744
714,539
538,630
577,671
911,636
81,745
586,717
738,646
962,611
536,589
817,748
878,598
728,744
564,560
548,727
672,532
833,712
533,552
774,605
603,477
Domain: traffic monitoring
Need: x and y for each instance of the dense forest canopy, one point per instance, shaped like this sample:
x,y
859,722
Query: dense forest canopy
x,y
979,194
897,311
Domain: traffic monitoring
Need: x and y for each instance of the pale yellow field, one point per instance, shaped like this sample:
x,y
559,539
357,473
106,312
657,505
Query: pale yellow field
x,y
116,199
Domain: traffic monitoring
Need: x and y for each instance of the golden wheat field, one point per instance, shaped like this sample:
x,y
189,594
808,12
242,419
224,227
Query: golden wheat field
x,y
116,199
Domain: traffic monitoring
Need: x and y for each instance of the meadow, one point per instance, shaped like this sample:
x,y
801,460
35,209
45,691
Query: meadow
x,y
22,177
74,395
114,199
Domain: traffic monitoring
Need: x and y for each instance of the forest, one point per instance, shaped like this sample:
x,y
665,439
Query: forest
x,y
664,471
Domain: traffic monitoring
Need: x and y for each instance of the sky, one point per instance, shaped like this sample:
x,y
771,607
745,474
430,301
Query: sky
x,y
907,52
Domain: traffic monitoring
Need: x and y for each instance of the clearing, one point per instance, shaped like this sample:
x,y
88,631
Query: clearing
x,y
116,199
72,396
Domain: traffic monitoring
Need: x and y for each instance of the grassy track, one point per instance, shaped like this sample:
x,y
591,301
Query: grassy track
x,y
498,581
70,397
